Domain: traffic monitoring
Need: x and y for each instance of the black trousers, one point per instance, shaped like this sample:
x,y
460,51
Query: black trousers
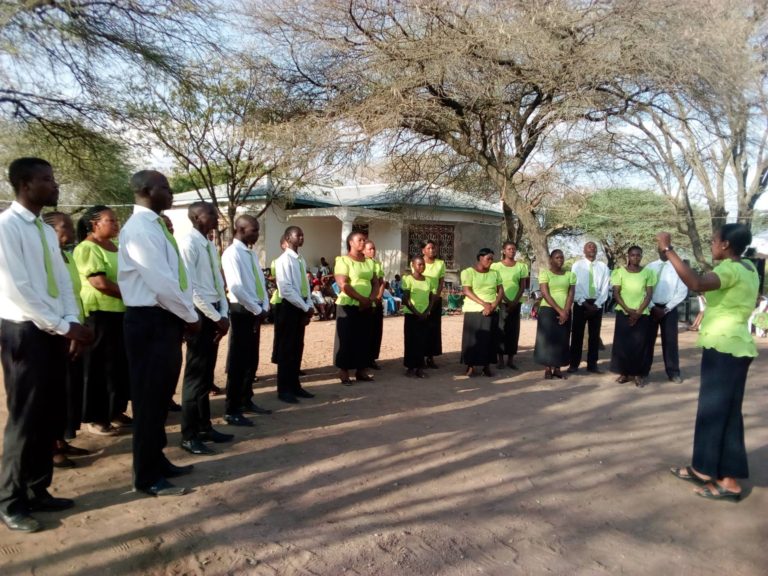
x,y
73,403
435,335
198,379
242,357
669,347
34,372
289,341
153,346
415,341
581,319
377,330
509,329
718,441
106,381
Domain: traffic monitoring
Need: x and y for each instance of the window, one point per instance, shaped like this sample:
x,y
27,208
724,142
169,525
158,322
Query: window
x,y
441,234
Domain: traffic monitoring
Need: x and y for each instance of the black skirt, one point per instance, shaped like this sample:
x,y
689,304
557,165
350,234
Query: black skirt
x,y
435,335
377,330
509,329
352,345
630,344
415,343
478,339
552,339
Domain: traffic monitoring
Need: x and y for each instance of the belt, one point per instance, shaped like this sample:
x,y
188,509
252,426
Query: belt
x,y
660,305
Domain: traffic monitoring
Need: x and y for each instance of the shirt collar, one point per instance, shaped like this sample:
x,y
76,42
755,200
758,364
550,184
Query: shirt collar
x,y
145,212
198,236
239,244
26,214
292,252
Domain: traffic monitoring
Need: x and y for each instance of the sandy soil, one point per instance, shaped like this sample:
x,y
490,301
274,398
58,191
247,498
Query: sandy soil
x,y
454,476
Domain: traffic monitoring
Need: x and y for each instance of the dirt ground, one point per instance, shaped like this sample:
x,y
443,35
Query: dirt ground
x,y
505,475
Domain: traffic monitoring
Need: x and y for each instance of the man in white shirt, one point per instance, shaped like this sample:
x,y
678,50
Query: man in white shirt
x,y
295,312
158,299
249,305
202,263
668,294
39,325
593,283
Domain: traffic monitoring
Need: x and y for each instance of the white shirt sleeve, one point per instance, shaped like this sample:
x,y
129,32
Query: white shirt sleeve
x,y
287,271
233,262
190,254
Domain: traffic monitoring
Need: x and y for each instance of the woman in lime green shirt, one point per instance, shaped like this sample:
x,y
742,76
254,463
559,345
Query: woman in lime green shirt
x,y
482,293
719,454
377,323
107,388
417,304
632,290
356,277
553,325
435,272
513,277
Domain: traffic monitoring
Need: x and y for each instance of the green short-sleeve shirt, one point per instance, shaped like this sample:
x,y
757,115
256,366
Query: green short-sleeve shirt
x,y
418,291
633,286
92,259
434,272
724,327
360,275
378,269
483,284
559,285
69,260
511,276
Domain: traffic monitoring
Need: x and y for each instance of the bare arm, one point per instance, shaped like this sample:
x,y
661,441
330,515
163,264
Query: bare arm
x,y
105,285
704,283
548,297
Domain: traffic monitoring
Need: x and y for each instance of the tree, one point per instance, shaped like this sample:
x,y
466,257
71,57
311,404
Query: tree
x,y
487,82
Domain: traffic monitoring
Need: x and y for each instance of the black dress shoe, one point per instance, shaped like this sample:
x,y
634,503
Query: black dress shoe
x,y
215,436
254,409
289,398
237,420
301,393
48,503
595,371
20,522
374,365
676,379
173,471
163,488
196,447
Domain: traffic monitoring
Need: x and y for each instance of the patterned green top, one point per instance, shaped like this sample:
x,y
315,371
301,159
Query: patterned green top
x,y
418,291
92,259
511,276
559,285
724,327
360,275
633,286
434,272
483,284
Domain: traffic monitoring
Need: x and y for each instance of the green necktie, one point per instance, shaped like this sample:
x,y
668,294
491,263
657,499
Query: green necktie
x,y
53,289
259,287
592,291
182,271
213,271
304,281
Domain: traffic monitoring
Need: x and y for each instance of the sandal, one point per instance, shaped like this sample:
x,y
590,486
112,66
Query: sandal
x,y
623,379
719,493
689,475
640,382
547,374
559,375
364,378
471,372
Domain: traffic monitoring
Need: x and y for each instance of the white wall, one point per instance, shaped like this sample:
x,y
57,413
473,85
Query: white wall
x,y
387,235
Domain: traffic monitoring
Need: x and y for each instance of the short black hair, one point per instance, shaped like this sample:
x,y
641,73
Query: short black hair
x,y
634,248
551,254
508,243
484,252
290,230
195,207
23,169
737,235
427,243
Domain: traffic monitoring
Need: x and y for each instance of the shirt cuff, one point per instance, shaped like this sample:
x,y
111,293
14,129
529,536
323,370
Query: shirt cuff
x,y
62,327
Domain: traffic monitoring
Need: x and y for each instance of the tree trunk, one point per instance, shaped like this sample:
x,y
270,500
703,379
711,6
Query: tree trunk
x,y
686,211
536,235
514,228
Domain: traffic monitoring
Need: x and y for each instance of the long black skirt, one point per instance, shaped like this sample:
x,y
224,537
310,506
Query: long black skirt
x,y
106,383
377,330
509,329
415,343
552,339
630,344
478,339
435,334
352,345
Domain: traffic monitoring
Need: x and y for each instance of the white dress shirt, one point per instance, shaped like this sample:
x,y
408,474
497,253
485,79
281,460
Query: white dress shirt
x,y
239,262
148,267
669,289
601,277
288,271
201,260
23,281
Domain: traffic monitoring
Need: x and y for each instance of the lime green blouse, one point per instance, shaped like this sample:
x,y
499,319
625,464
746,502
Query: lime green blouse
x,y
434,272
418,291
360,275
724,327
92,259
559,285
633,286
483,284
275,298
69,260
378,269
511,276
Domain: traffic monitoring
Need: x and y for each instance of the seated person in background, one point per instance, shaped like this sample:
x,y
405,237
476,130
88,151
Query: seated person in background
x,y
329,295
319,301
397,286
325,269
393,303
